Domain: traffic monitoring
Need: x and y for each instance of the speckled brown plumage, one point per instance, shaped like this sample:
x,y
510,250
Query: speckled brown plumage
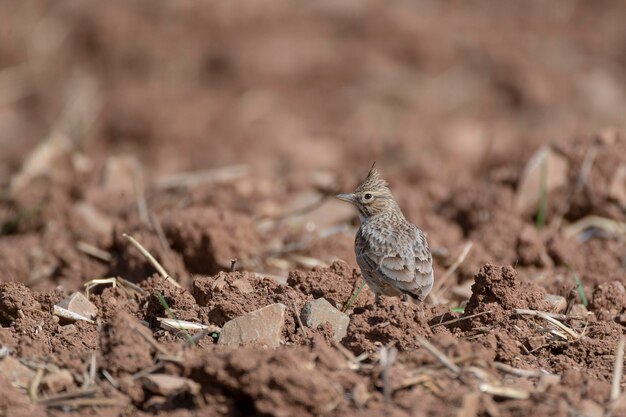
x,y
392,253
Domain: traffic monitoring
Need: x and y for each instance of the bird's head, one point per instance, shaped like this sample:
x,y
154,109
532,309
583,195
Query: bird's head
x,y
372,196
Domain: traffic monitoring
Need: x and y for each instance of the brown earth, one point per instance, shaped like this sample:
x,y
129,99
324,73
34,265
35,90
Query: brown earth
x,y
216,136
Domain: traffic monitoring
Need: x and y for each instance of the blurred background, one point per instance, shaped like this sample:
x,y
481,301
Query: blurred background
x,y
232,122
425,87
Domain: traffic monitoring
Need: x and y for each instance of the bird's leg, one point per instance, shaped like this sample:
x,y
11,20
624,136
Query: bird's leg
x,y
377,299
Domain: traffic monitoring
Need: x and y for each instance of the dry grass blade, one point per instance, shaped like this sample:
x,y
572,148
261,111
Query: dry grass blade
x,y
140,195
156,224
505,392
67,396
152,260
110,378
524,373
93,251
441,357
151,341
92,370
212,176
182,325
549,319
387,356
610,226
618,370
33,388
86,402
471,316
148,370
452,269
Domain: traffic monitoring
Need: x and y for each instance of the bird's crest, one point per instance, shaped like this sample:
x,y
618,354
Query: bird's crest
x,y
373,182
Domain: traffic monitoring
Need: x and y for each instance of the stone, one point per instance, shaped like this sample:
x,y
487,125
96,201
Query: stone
x,y
58,381
321,311
15,372
528,191
170,385
77,303
557,302
264,325
578,310
243,286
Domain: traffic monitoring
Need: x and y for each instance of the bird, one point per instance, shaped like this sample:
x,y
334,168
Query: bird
x,y
392,253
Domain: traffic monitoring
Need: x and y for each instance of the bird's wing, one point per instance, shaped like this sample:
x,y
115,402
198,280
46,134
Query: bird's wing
x,y
423,260
411,271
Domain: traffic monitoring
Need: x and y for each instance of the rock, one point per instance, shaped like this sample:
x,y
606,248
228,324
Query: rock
x,y
17,373
527,199
321,311
578,310
557,302
264,325
243,286
58,381
170,385
77,303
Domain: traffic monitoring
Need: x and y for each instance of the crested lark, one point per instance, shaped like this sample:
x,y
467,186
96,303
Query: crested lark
x,y
392,253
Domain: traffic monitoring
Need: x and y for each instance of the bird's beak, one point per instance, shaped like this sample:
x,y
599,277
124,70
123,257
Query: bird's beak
x,y
346,197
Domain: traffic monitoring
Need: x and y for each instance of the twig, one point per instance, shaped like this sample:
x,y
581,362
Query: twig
x,y
452,269
94,251
302,328
471,316
151,259
618,369
156,224
524,373
439,355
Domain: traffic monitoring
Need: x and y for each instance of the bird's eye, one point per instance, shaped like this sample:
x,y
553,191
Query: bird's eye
x,y
368,196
